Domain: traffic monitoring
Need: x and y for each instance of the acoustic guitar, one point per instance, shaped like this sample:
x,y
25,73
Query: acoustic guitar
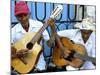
x,y
74,54
29,41
66,52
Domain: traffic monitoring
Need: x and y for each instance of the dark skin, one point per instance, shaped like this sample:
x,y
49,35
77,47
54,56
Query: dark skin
x,y
24,20
19,54
85,34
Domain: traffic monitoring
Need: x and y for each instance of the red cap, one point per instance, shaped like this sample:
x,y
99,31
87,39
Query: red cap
x,y
21,7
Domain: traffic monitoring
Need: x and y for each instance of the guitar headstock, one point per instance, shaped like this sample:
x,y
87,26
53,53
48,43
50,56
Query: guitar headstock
x,y
58,9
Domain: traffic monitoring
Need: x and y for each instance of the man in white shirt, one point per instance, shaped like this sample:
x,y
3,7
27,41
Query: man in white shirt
x,y
83,34
26,25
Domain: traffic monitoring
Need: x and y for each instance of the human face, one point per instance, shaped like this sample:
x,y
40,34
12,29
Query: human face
x,y
23,19
86,31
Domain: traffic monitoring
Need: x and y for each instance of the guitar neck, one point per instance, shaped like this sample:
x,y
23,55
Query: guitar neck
x,y
36,37
39,33
85,57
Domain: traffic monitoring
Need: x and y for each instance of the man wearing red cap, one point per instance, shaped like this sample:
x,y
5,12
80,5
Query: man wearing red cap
x,y
25,25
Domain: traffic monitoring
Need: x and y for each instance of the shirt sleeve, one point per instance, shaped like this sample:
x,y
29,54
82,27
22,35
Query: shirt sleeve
x,y
12,35
46,35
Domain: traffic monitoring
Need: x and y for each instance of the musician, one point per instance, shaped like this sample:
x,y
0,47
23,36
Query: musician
x,y
24,26
84,33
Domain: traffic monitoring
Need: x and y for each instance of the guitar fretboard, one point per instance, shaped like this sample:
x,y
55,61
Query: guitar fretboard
x,y
37,36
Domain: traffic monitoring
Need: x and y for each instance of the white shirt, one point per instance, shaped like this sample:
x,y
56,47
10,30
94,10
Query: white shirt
x,y
75,35
18,32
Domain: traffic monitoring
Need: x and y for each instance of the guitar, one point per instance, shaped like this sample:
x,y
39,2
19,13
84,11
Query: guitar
x,y
76,54
29,41
66,52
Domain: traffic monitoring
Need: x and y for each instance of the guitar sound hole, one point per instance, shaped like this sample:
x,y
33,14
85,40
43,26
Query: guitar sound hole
x,y
71,55
29,45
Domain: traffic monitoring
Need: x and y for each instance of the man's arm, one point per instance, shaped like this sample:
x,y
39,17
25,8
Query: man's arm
x,y
51,41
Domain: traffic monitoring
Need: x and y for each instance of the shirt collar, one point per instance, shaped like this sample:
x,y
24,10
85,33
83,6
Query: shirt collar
x,y
20,28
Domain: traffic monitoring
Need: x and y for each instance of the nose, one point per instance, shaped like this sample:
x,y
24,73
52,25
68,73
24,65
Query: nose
x,y
22,17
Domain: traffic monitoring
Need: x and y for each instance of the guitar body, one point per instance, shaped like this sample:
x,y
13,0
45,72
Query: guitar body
x,y
31,58
59,61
